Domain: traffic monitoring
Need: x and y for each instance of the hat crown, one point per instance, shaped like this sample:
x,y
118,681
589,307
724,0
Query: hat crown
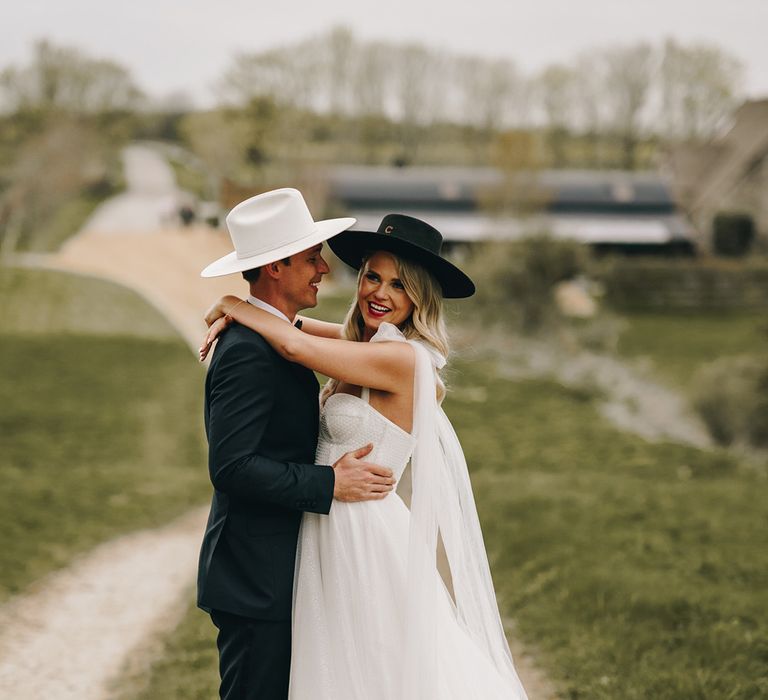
x,y
269,221
415,231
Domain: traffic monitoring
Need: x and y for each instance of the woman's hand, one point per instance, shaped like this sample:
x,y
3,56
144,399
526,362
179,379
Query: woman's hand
x,y
220,308
215,329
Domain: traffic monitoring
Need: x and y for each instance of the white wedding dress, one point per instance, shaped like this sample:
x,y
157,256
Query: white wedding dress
x,y
367,624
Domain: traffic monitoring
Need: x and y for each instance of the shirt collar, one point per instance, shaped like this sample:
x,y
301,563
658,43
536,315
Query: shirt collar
x,y
267,307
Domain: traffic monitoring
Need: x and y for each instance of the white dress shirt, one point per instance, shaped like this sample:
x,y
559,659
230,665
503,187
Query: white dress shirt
x,y
267,307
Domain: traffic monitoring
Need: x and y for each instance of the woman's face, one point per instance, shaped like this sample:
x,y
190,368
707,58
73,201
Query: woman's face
x,y
381,295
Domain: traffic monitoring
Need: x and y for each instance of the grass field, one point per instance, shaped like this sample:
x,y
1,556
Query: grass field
x,y
637,570
100,431
63,223
679,344
44,302
186,666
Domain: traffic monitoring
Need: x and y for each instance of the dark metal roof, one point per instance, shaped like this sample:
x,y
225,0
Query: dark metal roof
x,y
464,189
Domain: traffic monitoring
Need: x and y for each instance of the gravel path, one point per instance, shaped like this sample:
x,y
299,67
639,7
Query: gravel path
x,y
70,634
631,398
150,201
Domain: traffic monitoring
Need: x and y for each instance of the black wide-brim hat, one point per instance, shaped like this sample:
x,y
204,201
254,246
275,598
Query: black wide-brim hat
x,y
407,238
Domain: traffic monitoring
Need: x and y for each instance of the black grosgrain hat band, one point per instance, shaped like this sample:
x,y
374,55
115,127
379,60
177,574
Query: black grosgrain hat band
x,y
409,238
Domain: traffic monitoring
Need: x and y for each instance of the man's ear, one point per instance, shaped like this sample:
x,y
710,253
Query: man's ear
x,y
273,269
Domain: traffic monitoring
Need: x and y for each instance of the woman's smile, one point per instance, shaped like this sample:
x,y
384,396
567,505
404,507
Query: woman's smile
x,y
381,295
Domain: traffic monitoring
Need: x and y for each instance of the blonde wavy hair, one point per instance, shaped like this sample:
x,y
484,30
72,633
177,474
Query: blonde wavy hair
x,y
426,322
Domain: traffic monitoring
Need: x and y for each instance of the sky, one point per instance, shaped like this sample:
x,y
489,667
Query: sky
x,y
186,45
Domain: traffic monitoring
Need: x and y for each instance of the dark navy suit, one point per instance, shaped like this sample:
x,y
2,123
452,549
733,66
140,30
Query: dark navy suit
x,y
261,418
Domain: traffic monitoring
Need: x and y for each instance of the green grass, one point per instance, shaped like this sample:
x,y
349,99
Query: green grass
x,y
679,344
99,433
44,302
64,222
185,664
640,570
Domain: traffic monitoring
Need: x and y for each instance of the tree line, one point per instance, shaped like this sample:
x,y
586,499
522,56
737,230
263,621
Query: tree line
x,y
669,91
63,117
336,98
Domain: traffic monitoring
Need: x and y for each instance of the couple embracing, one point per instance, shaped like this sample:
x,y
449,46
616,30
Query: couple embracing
x,y
322,583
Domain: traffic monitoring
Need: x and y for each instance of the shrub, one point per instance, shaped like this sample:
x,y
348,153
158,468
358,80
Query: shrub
x,y
733,234
515,279
732,398
702,284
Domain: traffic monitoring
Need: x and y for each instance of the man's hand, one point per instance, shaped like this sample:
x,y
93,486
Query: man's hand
x,y
357,480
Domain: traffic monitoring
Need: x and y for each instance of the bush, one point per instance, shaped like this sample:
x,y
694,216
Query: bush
x,y
705,284
733,234
732,398
515,279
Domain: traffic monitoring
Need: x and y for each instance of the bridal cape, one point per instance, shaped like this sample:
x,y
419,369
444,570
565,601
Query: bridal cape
x,y
372,618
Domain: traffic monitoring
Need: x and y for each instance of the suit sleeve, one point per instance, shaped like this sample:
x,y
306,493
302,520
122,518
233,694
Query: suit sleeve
x,y
240,398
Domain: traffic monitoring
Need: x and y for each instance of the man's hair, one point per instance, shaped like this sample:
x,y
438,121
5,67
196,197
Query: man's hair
x,y
253,274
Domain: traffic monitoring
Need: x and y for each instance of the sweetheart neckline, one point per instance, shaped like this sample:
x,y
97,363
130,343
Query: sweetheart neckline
x,y
378,413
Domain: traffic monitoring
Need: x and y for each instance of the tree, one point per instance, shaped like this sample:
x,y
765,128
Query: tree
x,y
49,169
629,72
288,75
370,86
487,90
64,79
557,88
371,80
486,97
66,117
589,109
341,53
416,87
699,88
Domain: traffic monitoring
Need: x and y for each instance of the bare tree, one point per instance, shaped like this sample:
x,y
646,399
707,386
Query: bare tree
x,y
487,91
370,89
287,75
341,53
590,111
49,169
699,87
219,138
371,79
557,88
629,74
416,93
63,78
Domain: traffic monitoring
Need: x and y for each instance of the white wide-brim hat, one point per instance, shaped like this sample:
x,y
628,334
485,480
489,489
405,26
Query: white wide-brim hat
x,y
269,227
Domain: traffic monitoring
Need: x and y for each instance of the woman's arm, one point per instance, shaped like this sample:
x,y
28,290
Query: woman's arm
x,y
323,329
387,366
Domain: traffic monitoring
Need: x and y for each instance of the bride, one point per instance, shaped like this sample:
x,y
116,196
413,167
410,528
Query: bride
x,y
372,618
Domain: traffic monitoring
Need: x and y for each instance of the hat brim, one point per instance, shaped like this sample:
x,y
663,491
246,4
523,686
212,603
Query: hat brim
x,y
352,246
230,263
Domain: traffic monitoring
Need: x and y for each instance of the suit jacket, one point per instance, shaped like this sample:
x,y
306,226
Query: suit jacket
x,y
261,418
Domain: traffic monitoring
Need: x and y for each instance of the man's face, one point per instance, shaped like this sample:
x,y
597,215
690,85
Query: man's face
x,y
299,280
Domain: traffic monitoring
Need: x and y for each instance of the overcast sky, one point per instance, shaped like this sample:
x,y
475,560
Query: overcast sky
x,y
186,45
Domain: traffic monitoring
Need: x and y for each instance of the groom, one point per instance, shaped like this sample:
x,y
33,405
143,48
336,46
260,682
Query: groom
x,y
261,418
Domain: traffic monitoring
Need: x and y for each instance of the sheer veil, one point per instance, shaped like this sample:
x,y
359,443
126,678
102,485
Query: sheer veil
x,y
442,501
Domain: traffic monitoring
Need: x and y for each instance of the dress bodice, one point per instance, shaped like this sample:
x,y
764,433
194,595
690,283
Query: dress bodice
x,y
349,422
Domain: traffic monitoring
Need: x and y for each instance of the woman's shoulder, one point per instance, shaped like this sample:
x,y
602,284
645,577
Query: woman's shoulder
x,y
390,332
386,332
